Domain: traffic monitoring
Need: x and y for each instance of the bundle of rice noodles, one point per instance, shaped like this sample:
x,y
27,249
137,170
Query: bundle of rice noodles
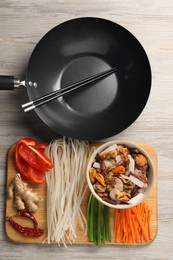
x,y
66,187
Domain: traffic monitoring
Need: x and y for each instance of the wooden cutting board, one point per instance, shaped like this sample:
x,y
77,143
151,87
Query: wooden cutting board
x,y
41,212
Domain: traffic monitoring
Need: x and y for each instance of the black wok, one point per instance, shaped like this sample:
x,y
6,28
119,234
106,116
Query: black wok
x,y
77,49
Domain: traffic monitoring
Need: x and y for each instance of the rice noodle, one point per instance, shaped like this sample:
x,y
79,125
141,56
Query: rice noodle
x,y
66,188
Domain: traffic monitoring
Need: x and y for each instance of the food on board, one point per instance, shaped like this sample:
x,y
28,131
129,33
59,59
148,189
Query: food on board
x,y
133,225
66,188
119,173
34,157
98,221
31,162
23,197
30,216
26,231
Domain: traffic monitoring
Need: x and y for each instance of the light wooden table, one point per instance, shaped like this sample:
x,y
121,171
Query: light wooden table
x,y
22,24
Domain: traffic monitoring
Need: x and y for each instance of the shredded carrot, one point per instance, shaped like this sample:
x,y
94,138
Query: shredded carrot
x,y
143,231
133,225
149,224
137,235
132,230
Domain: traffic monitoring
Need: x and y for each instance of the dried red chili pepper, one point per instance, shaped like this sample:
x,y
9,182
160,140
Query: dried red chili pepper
x,y
30,216
26,231
34,157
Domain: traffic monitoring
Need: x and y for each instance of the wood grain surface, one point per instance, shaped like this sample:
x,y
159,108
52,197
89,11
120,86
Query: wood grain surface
x,y
81,238
22,24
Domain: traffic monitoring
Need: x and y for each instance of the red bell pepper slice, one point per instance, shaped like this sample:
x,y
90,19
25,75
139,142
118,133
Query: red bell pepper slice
x,y
27,141
35,175
24,168
41,146
21,165
34,157
28,172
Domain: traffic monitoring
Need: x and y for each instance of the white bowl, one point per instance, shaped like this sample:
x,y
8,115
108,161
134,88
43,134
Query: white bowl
x,y
150,174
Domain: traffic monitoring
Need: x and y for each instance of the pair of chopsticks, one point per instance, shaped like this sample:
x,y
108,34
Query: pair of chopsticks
x,y
60,92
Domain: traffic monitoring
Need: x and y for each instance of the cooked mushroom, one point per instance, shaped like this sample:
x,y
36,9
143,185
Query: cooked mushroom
x,y
118,184
128,185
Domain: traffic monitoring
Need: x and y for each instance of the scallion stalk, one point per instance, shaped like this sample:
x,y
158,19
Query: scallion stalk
x,y
98,221
107,223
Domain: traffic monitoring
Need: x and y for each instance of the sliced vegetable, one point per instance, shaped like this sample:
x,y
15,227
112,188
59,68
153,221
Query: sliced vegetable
x,y
41,146
106,214
21,166
27,171
31,161
34,157
35,176
98,221
20,163
133,225
27,141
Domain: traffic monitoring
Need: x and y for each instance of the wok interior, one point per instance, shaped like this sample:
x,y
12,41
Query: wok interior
x,y
80,48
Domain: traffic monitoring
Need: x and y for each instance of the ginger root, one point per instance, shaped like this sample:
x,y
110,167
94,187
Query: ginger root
x,y
23,197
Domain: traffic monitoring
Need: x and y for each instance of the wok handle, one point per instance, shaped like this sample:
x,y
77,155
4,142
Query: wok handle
x,y
8,82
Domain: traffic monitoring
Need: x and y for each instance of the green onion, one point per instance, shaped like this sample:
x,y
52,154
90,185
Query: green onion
x,y
98,221
99,225
88,216
107,223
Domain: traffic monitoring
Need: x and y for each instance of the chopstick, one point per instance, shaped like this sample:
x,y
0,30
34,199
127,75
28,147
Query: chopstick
x,y
60,92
